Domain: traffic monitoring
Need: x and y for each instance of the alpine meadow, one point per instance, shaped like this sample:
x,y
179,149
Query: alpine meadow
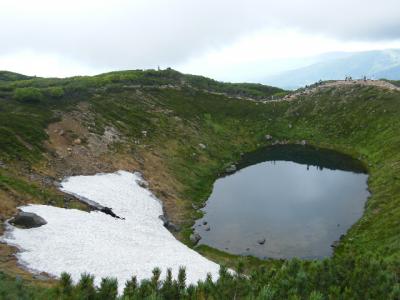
x,y
124,174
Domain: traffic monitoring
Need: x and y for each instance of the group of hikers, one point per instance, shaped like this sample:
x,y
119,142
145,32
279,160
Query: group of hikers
x,y
349,78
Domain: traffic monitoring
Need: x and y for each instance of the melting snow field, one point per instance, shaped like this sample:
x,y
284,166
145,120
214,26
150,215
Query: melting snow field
x,y
75,241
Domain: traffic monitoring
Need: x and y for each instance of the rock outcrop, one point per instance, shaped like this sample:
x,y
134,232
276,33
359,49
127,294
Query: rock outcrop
x,y
27,220
261,241
232,168
195,238
169,225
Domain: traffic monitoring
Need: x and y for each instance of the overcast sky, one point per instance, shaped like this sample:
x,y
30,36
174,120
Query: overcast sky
x,y
224,39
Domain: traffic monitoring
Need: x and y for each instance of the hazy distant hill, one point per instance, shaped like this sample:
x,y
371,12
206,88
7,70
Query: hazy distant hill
x,y
373,64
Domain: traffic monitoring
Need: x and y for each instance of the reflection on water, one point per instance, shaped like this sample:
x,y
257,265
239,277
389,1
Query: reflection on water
x,y
299,199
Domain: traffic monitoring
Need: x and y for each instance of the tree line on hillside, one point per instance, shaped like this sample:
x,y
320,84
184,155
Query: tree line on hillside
x,y
34,89
344,278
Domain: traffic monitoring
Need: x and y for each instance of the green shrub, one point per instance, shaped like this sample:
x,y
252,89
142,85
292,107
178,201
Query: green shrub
x,y
108,289
28,95
6,88
55,92
85,287
65,284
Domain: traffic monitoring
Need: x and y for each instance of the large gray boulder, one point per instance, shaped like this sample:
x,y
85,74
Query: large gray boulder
x,y
232,168
335,244
261,241
173,227
28,220
169,225
195,238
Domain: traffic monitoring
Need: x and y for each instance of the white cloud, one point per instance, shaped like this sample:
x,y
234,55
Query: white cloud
x,y
45,65
122,34
270,51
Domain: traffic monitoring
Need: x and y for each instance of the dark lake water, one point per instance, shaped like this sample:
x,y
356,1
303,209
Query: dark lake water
x,y
298,198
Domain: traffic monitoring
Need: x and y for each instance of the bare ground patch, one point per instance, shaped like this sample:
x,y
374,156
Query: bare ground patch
x,y
75,148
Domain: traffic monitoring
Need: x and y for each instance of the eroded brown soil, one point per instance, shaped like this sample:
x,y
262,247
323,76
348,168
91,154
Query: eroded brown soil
x,y
75,148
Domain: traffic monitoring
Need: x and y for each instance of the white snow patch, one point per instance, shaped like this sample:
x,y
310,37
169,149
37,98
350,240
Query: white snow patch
x,y
75,241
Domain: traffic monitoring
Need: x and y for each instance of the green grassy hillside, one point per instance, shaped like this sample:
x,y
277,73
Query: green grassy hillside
x,y
177,113
11,76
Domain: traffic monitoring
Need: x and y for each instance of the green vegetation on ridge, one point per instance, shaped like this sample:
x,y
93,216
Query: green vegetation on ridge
x,y
124,79
11,76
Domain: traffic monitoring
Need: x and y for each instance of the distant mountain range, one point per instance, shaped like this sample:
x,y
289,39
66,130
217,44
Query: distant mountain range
x,y
373,64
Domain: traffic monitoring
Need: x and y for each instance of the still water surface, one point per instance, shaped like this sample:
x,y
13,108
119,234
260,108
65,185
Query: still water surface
x,y
299,199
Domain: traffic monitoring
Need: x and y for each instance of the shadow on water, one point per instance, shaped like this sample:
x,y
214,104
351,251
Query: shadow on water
x,y
305,155
285,201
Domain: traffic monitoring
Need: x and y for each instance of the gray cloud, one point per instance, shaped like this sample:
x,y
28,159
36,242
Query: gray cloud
x,y
123,34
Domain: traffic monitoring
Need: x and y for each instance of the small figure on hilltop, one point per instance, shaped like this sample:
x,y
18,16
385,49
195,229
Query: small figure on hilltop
x,y
348,78
317,83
